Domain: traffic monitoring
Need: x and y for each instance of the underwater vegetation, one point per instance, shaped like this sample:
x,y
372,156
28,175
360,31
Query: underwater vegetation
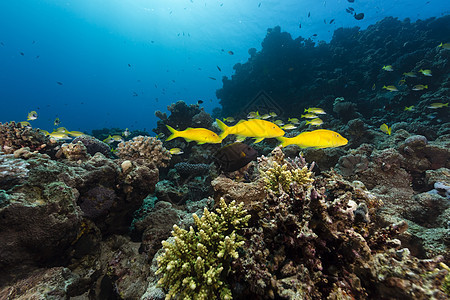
x,y
271,207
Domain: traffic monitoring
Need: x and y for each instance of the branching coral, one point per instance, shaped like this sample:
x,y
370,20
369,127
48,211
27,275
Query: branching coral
x,y
280,174
194,265
144,147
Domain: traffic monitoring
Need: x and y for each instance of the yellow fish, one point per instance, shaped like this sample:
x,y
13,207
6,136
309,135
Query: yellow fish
x,y
419,87
409,108
425,72
253,115
321,138
279,122
390,88
32,115
59,135
61,129
410,74
25,124
273,114
388,68
57,122
176,151
75,133
289,127
199,135
45,132
255,128
229,119
374,87
445,46
308,116
265,116
386,129
437,105
402,82
294,120
315,122
315,110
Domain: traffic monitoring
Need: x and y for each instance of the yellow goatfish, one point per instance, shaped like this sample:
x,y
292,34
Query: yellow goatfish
x,y
321,138
254,128
200,135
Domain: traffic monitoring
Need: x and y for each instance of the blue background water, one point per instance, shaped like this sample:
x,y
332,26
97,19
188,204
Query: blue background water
x,y
172,47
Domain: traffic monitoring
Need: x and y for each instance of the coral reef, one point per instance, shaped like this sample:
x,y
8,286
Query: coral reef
x,y
13,137
319,240
296,72
93,145
74,151
145,148
195,262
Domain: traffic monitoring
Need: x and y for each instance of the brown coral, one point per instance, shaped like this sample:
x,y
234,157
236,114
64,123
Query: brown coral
x,y
144,147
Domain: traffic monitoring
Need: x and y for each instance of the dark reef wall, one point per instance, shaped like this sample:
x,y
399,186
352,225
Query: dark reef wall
x,y
297,73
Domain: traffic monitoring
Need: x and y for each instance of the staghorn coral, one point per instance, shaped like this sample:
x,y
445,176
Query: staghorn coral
x,y
144,147
195,263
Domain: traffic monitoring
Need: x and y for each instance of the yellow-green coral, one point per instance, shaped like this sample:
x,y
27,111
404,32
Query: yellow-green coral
x,y
280,175
195,263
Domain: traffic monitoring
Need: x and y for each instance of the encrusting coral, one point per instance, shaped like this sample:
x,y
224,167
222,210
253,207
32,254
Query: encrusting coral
x,y
195,264
144,147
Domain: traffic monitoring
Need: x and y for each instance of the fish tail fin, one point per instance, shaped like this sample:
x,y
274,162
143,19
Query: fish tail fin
x,y
222,127
174,133
446,104
283,141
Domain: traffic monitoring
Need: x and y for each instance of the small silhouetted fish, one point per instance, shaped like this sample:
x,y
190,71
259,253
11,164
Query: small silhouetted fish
x,y
37,56
351,8
259,5
59,82
212,78
324,21
1,43
230,52
332,20
351,1
200,102
300,25
349,11
152,42
135,94
21,53
359,16
129,65
218,68
315,34
309,14
234,156
173,81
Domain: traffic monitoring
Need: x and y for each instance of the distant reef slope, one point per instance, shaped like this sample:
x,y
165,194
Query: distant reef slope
x,y
298,73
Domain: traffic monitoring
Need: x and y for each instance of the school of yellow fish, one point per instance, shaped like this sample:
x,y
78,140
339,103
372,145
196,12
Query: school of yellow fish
x,y
418,87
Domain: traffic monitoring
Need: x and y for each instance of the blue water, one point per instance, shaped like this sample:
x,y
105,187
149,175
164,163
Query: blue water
x,y
118,61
